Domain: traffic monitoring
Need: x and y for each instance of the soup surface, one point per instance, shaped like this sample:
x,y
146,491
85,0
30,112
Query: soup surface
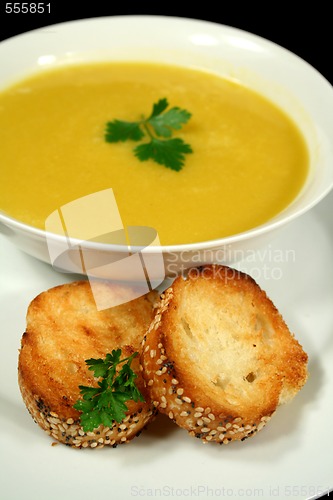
x,y
249,160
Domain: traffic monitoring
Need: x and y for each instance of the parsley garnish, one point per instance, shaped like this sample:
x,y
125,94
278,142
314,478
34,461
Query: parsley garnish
x,y
160,124
106,403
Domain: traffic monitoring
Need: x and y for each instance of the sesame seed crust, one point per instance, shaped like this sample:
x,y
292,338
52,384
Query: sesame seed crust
x,y
69,431
189,402
63,330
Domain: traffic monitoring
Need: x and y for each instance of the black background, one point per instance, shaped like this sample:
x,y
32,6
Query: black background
x,y
306,31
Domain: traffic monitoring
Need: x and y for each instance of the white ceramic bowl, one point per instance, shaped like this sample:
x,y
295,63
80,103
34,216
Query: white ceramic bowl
x,y
264,66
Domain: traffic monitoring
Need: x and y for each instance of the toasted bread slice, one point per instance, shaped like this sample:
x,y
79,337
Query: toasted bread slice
x,y
64,328
218,357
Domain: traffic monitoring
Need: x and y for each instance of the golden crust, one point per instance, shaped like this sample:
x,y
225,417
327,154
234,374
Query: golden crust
x,y
218,357
64,328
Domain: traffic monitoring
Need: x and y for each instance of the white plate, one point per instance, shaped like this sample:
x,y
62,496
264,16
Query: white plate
x,y
292,457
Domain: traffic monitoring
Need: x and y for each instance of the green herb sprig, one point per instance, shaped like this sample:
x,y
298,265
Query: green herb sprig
x,y
159,127
106,403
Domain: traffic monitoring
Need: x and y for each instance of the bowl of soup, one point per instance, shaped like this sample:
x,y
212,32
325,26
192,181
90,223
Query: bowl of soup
x,y
256,119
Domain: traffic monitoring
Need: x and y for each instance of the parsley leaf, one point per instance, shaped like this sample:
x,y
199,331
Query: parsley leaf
x,y
119,130
159,107
160,124
166,152
107,402
172,119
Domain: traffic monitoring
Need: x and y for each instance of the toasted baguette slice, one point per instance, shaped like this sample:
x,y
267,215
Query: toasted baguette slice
x,y
64,329
218,357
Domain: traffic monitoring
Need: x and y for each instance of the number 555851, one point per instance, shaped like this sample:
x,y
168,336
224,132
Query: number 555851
x,y
27,8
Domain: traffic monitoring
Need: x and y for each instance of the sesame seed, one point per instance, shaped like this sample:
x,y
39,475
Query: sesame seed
x,y
199,408
70,421
170,391
183,414
101,440
159,361
180,391
54,414
221,436
238,419
206,420
213,432
160,346
208,410
158,372
197,415
174,381
235,426
164,369
260,426
228,425
186,399
205,429
225,441
163,405
211,416
199,422
122,427
54,420
85,444
222,429
163,357
150,383
123,439
170,414
209,438
163,398
248,427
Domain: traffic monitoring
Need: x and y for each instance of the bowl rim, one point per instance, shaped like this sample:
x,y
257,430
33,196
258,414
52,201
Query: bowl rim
x,y
269,226
277,221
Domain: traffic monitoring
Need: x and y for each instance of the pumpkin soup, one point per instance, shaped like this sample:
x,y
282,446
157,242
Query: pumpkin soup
x,y
248,160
